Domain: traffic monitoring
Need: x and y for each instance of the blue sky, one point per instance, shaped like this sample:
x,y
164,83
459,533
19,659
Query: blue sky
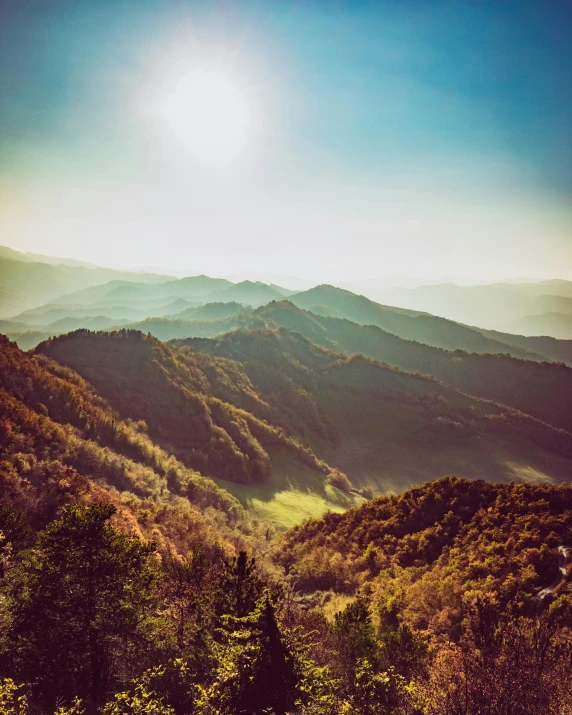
x,y
429,138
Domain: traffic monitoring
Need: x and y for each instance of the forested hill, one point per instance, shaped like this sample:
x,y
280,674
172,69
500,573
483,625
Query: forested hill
x,y
203,409
391,428
552,348
422,550
60,442
540,389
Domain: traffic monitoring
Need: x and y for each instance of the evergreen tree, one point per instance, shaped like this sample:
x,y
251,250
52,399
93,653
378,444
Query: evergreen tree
x,y
81,613
259,670
240,587
186,587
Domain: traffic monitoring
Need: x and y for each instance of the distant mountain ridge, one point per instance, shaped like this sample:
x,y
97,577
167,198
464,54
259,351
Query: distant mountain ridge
x,y
405,323
250,293
166,321
558,325
27,284
558,350
525,384
539,389
499,306
116,291
28,257
161,305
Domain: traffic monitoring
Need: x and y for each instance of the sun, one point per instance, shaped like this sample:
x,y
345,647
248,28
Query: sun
x,y
209,113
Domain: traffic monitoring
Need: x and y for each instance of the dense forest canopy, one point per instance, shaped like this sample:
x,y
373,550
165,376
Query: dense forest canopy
x,y
204,408
61,441
94,619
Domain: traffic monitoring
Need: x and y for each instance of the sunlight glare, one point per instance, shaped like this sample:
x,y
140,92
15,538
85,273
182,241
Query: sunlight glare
x,y
209,113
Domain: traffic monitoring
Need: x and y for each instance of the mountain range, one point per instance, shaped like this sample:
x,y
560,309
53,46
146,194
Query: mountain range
x,y
310,398
401,479
28,283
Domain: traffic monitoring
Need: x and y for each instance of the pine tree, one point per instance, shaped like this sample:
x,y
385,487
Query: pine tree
x,y
86,591
260,670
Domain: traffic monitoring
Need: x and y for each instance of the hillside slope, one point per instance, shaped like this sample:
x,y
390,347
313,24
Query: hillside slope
x,y
409,324
553,348
60,442
178,395
420,553
206,411
385,427
539,389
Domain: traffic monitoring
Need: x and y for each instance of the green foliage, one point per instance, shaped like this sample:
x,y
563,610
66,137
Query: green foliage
x,y
258,670
436,585
404,649
420,550
503,663
76,708
95,622
61,443
13,700
223,406
141,700
377,423
377,693
86,596
355,639
189,590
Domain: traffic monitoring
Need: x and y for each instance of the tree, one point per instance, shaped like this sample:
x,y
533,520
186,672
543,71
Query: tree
x,y
380,693
405,650
260,669
13,700
355,640
81,614
142,699
505,664
187,588
240,587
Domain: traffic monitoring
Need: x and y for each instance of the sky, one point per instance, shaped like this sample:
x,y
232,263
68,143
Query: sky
x,y
331,141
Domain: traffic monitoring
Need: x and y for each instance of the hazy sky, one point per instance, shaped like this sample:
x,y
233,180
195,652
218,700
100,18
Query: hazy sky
x,y
334,141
